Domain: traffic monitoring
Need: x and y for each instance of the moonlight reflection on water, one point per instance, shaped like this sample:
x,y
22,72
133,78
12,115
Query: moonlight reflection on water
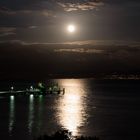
x,y
71,108
88,107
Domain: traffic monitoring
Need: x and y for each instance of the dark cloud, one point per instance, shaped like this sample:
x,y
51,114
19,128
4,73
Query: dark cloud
x,y
110,49
121,1
24,60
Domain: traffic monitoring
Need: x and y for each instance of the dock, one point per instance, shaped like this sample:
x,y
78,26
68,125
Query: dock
x,y
33,92
40,89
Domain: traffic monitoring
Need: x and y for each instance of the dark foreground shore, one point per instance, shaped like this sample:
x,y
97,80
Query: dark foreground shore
x,y
65,135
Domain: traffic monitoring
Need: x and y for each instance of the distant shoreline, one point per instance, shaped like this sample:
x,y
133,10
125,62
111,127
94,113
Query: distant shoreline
x,y
33,79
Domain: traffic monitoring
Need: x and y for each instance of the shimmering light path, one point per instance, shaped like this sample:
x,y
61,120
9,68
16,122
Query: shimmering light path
x,y
89,107
71,107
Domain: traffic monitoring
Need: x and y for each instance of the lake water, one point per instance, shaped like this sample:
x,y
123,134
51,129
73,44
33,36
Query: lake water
x,y
109,109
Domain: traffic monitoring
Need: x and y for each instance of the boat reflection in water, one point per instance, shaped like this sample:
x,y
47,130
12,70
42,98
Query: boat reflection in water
x,y
71,107
11,114
31,113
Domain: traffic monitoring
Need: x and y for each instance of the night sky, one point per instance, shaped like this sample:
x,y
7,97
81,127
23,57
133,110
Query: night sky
x,y
35,43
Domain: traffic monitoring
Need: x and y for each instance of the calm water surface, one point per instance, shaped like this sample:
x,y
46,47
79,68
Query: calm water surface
x,y
109,109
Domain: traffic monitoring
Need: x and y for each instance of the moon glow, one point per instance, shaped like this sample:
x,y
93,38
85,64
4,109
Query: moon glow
x,y
71,28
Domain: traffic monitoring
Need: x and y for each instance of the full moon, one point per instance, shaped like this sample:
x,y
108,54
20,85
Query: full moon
x,y
71,28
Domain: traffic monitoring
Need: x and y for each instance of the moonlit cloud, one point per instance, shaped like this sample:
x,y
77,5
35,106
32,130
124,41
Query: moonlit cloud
x,y
83,5
79,50
32,27
95,19
6,31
